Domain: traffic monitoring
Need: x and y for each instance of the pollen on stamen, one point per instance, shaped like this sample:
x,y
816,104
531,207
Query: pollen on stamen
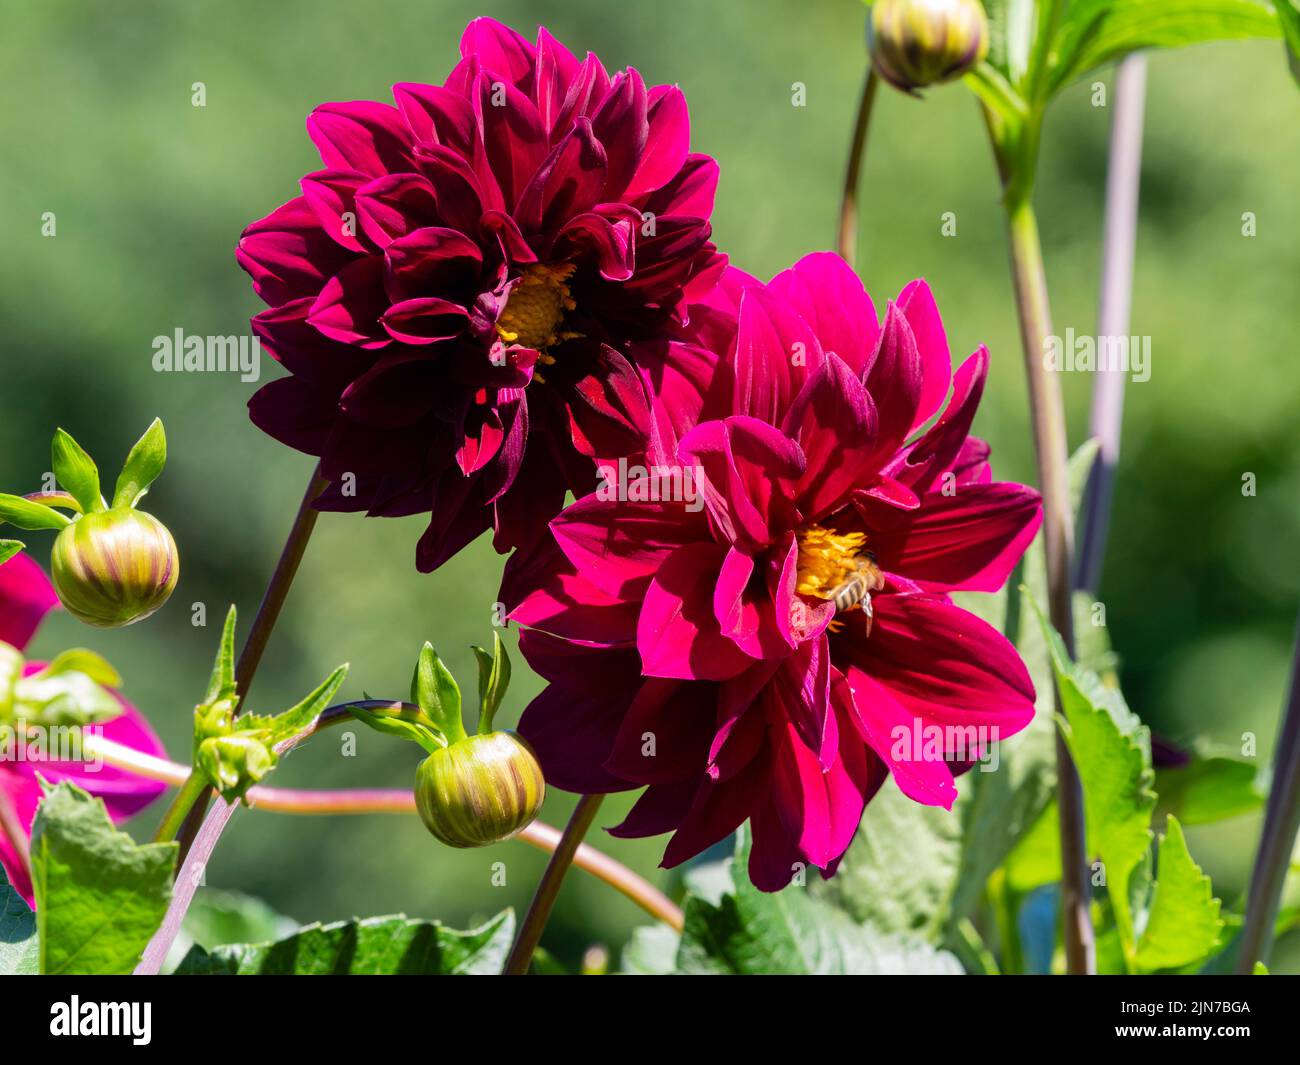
x,y
536,306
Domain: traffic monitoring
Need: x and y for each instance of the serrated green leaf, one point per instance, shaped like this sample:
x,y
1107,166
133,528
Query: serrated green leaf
x,y
792,933
435,691
218,917
9,548
25,514
19,950
76,471
375,946
143,465
221,685
1112,751
1096,32
99,895
1183,926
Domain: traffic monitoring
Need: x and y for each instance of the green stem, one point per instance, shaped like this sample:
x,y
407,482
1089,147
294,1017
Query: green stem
x,y
548,888
250,656
1047,416
847,240
195,785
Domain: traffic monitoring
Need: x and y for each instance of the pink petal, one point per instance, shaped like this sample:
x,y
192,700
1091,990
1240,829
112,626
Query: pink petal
x,y
26,596
829,296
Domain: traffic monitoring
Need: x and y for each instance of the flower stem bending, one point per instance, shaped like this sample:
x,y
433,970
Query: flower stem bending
x,y
548,888
259,635
1047,414
1281,823
847,239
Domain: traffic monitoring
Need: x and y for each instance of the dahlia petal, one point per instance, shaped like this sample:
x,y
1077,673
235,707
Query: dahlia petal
x,y
555,70
295,412
679,378
609,411
542,589
800,795
437,114
568,183
925,462
394,205
611,243
719,808
677,634
460,195
362,135
499,49
895,380
619,546
666,144
424,320
587,89
512,134
664,736
396,391
888,727
775,857
916,301
286,334
332,196
775,350
621,126
431,259
26,596
689,192
945,665
350,304
741,722
660,809
747,465
288,255
800,692
970,541
571,730
834,421
829,296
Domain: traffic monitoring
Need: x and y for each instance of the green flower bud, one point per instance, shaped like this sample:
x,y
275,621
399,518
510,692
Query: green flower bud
x,y
479,790
234,763
917,43
114,567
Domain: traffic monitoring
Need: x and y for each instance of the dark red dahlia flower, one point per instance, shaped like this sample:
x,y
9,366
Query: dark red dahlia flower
x,y
776,653
457,293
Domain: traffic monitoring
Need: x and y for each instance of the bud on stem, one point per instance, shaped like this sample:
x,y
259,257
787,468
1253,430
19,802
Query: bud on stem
x,y
918,43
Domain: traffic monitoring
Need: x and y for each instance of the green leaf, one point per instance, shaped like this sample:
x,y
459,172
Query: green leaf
x,y
1288,16
222,683
651,951
493,679
1012,29
1112,751
142,467
64,698
408,723
1210,789
218,917
296,718
25,514
19,952
1096,32
81,660
1184,924
435,691
792,933
375,946
1260,969
76,471
99,895
9,548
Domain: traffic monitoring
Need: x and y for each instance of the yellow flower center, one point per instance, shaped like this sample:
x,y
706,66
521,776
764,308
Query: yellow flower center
x,y
536,306
835,566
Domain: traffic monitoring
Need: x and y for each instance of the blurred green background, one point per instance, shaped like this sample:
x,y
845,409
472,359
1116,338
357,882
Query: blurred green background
x,y
150,194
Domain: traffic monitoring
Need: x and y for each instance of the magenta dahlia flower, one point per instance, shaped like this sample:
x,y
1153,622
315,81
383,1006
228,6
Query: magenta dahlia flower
x,y
776,652
456,295
26,596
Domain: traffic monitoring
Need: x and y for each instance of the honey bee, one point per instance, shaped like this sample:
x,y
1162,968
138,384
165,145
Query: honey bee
x,y
856,591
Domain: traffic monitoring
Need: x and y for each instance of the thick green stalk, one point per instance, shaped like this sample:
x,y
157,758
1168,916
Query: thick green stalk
x,y
1047,416
548,888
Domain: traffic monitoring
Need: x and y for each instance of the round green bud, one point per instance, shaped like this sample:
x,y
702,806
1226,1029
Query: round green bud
x,y
916,43
114,567
479,790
